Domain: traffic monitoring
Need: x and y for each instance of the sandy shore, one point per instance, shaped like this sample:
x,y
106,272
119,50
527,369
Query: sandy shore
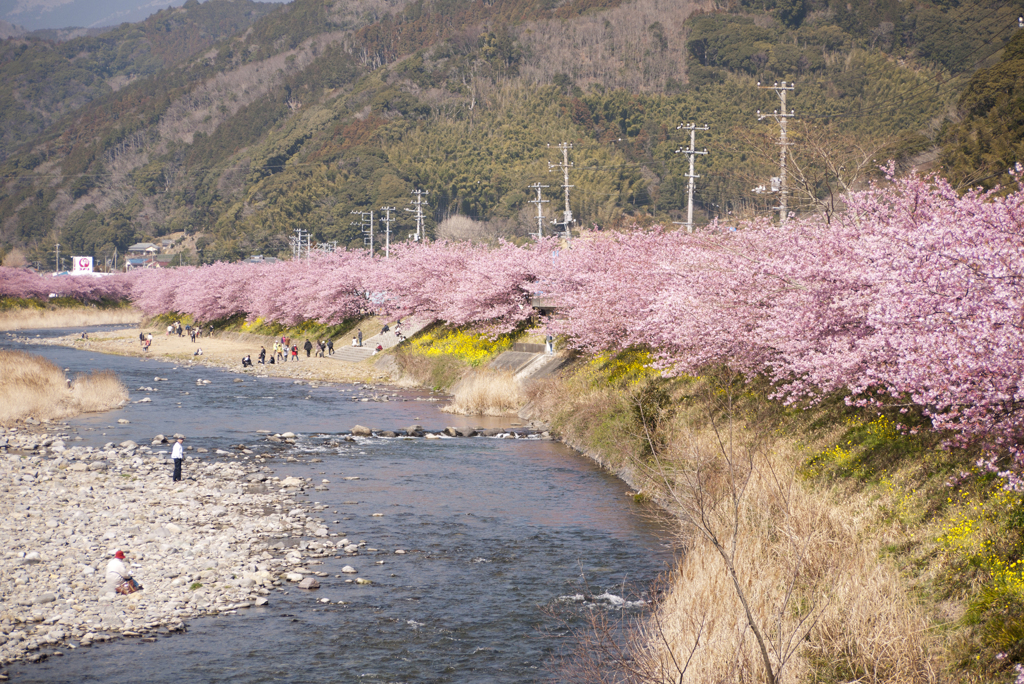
x,y
204,546
223,351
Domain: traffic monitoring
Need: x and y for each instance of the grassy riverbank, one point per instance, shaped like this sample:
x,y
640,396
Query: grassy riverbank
x,y
31,386
27,314
825,543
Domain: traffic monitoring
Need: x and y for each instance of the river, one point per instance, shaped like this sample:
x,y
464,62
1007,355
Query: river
x,y
498,534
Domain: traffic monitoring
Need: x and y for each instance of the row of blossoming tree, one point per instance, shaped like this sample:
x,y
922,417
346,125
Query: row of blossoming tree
x,y
914,295
22,283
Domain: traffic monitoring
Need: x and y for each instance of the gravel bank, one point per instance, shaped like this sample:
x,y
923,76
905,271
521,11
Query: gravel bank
x,y
221,541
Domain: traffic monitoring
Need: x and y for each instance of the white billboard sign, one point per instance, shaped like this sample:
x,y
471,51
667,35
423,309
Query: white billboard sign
x,y
81,264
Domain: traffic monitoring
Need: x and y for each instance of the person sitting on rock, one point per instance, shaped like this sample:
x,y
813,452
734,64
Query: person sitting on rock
x,y
199,352
117,571
246,361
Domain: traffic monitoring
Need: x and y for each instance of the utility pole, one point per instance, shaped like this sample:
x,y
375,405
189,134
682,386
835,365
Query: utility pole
x,y
366,225
540,210
692,152
780,116
299,242
419,203
56,261
387,230
565,165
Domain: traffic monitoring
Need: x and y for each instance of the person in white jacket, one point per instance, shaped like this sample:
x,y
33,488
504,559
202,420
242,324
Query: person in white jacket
x,y
177,454
117,571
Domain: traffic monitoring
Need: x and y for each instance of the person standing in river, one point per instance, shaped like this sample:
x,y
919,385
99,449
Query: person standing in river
x,y
177,455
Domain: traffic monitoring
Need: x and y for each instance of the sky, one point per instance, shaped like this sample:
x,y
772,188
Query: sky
x,y
50,14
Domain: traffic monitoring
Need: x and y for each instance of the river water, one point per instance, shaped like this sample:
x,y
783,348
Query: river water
x,y
499,534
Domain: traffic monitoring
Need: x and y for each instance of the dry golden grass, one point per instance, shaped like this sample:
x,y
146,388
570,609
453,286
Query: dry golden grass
x,y
808,562
815,584
22,319
486,393
31,386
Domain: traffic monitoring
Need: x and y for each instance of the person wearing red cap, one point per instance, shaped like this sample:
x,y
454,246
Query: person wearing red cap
x,y
117,572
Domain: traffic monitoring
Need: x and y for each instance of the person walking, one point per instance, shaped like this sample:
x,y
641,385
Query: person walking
x,y
320,348
308,346
263,355
295,352
177,455
330,347
359,335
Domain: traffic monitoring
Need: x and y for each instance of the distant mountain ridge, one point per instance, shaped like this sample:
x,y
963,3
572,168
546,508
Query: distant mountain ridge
x,y
37,15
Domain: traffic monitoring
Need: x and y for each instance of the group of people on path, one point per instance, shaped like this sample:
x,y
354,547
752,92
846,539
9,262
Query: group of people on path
x,y
282,349
287,347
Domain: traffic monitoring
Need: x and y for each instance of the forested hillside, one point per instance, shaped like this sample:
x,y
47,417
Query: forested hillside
x,y
230,124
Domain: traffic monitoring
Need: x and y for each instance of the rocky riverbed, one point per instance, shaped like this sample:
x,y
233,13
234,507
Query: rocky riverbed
x,y
223,540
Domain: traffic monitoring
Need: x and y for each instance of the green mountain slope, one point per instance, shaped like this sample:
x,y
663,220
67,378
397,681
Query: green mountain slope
x,y
44,81
321,109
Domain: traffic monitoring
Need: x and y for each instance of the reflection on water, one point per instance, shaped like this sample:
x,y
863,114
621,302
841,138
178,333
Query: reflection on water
x,y
496,531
